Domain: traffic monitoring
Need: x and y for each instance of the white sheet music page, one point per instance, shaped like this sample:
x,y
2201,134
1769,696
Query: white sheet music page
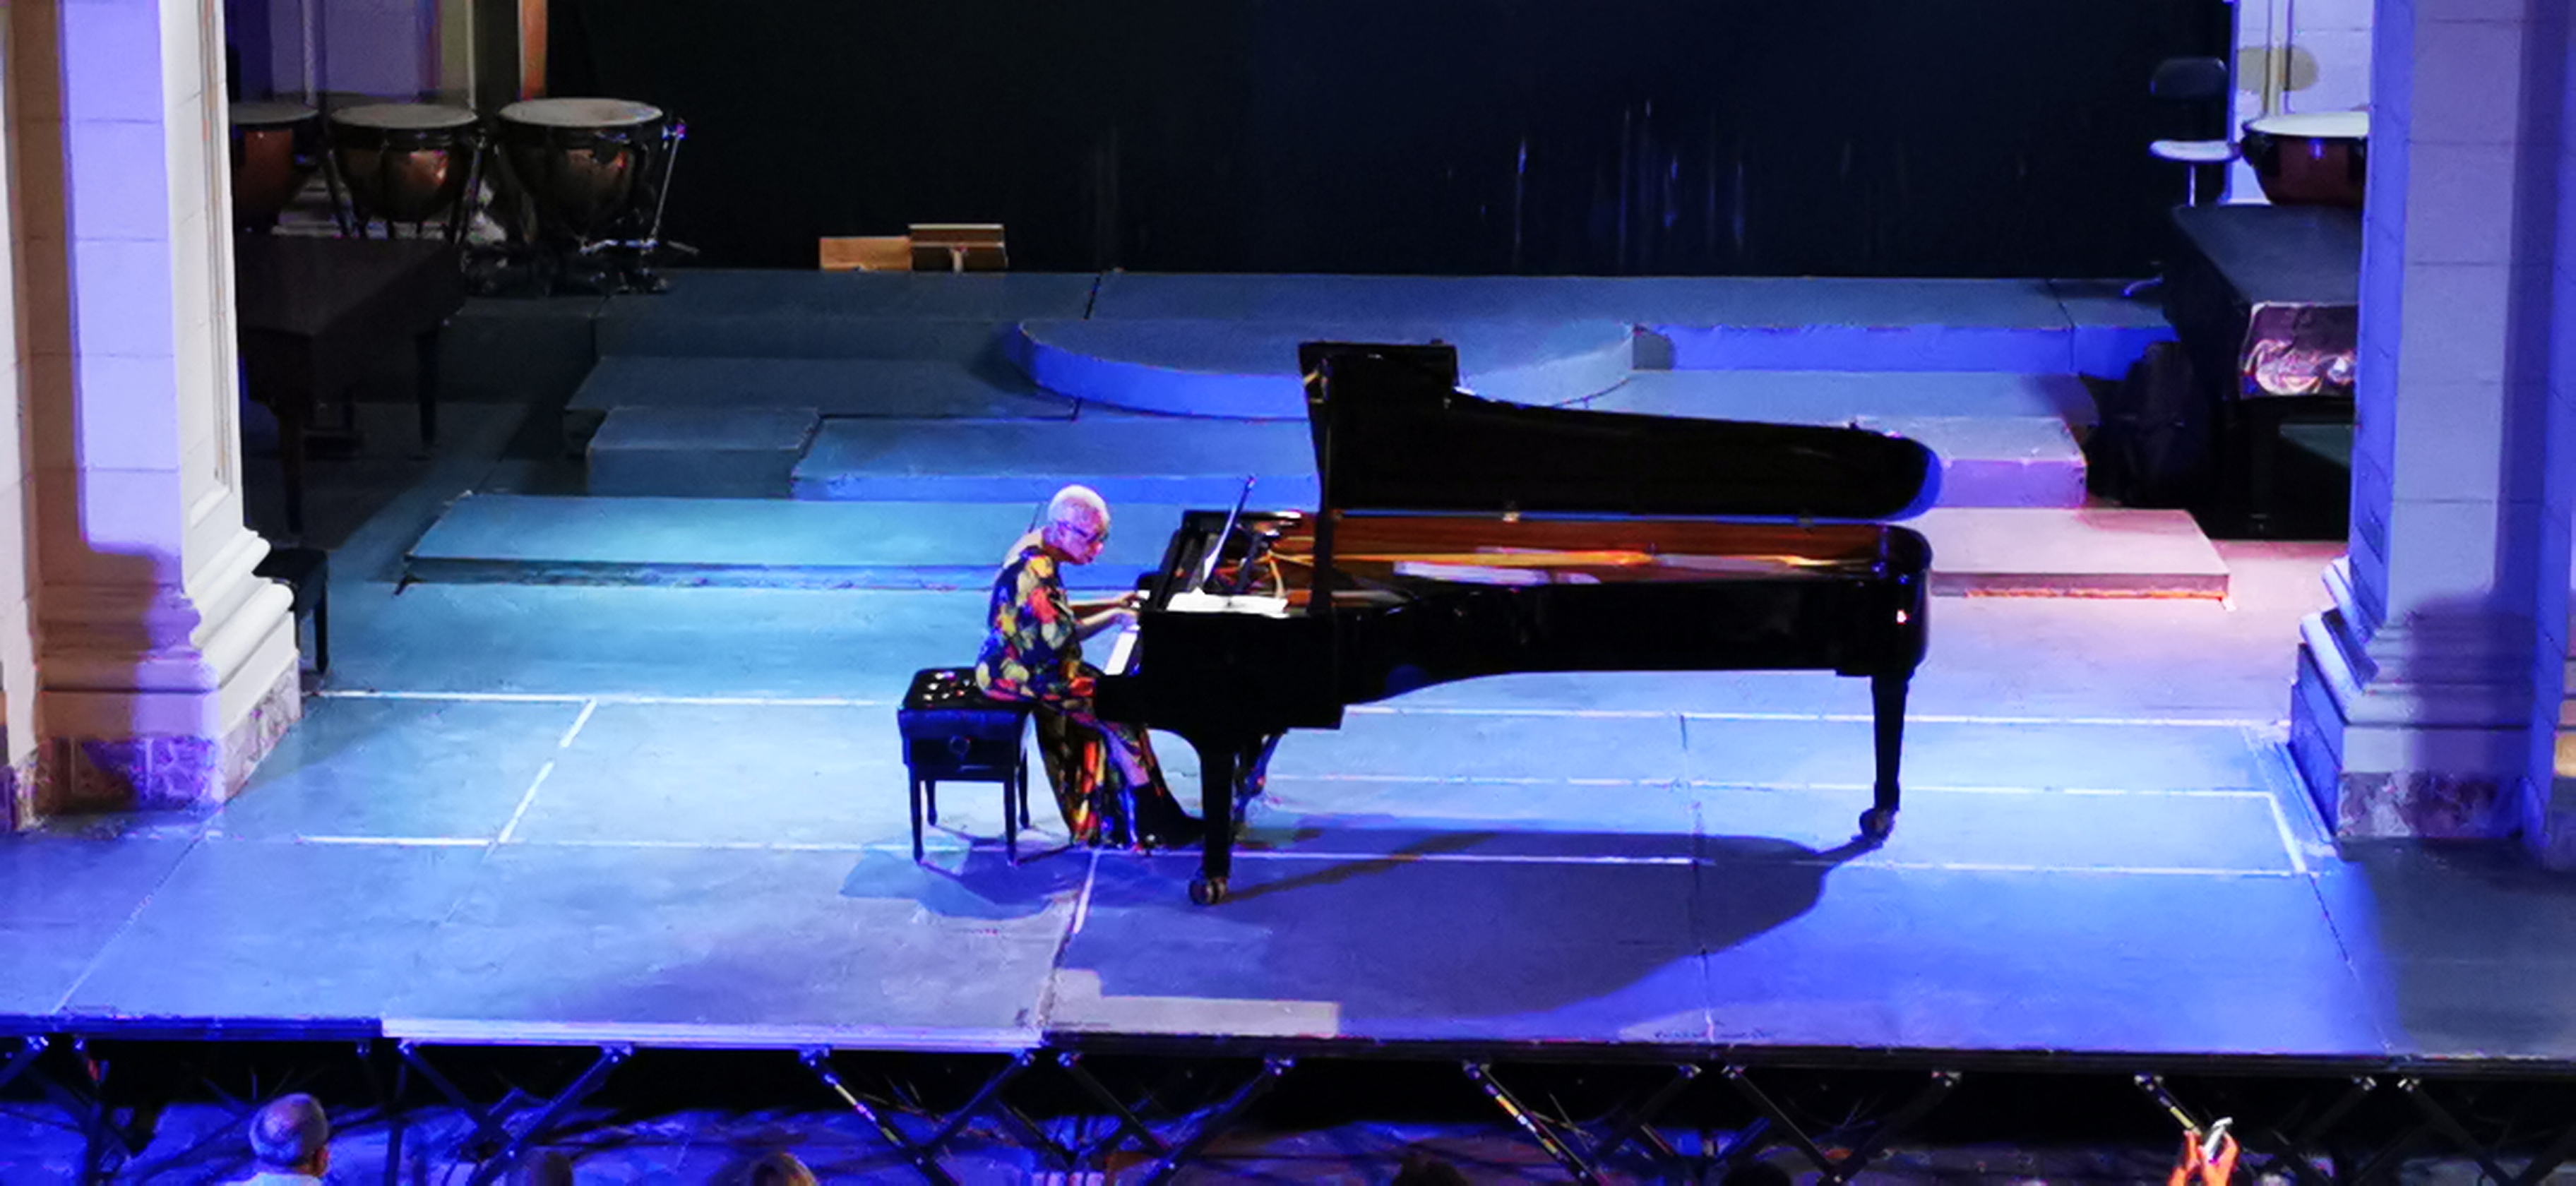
x,y
1220,603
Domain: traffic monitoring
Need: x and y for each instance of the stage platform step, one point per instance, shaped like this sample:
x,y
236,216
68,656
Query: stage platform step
x,y
536,540
2091,552
2004,438
912,388
699,452
1989,460
1721,322
521,539
1709,322
784,314
1140,459
1248,369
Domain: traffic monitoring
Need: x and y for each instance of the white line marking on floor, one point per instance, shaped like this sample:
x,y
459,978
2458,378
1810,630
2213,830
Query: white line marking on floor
x,y
1834,717
610,698
468,697
525,801
2121,870
1082,901
2289,841
376,841
587,707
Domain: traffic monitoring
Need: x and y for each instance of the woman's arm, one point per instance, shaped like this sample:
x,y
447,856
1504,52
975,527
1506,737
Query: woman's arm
x,y
1092,617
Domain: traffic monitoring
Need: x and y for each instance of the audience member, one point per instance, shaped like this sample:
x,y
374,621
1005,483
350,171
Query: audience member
x,y
780,1169
2197,1167
1423,1169
550,1168
290,1142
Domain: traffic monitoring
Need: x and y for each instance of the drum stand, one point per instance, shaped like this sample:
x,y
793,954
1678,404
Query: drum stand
x,y
610,266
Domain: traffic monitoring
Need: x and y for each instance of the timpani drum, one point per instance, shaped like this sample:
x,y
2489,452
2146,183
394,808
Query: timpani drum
x,y
580,165
2310,159
404,162
275,149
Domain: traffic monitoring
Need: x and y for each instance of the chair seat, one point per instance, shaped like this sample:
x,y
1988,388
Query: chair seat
x,y
944,703
2194,152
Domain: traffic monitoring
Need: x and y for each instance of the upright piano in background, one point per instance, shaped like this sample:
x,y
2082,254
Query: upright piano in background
x,y
1461,537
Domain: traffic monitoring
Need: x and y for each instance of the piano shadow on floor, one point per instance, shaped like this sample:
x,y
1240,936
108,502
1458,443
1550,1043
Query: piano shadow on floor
x,y
1426,932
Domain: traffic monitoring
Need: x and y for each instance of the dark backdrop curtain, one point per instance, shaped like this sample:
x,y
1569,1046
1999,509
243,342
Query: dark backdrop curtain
x,y
1783,137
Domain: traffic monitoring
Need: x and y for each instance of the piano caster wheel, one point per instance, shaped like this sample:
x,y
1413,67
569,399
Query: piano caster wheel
x,y
1207,891
1876,823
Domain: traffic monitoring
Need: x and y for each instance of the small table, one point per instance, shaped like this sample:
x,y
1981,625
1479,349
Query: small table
x,y
312,313
2243,280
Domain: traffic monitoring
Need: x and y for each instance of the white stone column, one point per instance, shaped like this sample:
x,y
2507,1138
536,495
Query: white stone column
x,y
165,668
18,735
2418,692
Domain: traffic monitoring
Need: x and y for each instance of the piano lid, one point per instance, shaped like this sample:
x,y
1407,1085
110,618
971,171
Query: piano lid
x,y
1392,432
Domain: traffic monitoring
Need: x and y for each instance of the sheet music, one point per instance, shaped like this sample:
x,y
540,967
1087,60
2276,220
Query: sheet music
x,y
1122,653
1222,603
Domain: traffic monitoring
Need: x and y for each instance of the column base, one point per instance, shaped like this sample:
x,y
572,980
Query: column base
x,y
2389,758
166,771
18,802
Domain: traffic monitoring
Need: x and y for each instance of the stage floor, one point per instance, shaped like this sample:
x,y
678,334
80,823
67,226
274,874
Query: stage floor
x,y
675,816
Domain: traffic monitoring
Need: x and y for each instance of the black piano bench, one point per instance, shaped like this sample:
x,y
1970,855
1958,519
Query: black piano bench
x,y
954,733
306,572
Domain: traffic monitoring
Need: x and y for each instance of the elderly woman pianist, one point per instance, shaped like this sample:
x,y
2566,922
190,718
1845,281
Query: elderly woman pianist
x,y
1106,780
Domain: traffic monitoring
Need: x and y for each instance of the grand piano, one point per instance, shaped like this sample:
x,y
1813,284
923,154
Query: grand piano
x,y
1460,537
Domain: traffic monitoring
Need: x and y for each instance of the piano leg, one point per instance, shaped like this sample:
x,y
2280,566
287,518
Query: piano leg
x,y
1887,709
1216,811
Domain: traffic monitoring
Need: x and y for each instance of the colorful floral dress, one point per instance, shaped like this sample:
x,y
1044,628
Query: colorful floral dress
x,y
1105,778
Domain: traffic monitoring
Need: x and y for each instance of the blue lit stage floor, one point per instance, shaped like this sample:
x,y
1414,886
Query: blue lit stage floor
x,y
674,816
530,813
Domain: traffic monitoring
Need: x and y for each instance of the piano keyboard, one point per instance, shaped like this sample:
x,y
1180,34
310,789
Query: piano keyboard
x,y
1122,653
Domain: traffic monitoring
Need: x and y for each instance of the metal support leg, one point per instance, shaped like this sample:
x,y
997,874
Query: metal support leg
x,y
2442,1121
1218,1121
564,1101
1539,1128
1129,1124
922,1158
1842,1169
487,1122
89,1107
30,1048
2282,1153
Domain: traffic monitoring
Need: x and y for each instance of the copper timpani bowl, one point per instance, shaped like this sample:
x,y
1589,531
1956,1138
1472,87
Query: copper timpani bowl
x,y
2310,159
577,164
275,149
403,162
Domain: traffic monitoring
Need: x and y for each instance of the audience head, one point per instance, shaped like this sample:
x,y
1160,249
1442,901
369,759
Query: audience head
x,y
550,1168
1077,523
780,1169
291,1135
1423,1169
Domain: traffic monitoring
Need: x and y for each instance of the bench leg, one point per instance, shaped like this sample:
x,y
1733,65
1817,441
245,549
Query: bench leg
x,y
1024,788
916,821
322,625
930,801
1011,819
